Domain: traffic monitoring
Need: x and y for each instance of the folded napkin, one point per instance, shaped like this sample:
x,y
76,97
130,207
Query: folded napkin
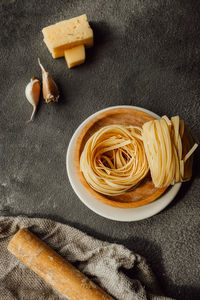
x,y
101,261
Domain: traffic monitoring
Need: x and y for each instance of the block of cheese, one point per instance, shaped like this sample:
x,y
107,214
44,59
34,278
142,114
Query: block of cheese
x,y
67,34
75,56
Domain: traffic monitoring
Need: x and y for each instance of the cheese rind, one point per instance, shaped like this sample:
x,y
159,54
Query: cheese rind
x,y
75,56
68,34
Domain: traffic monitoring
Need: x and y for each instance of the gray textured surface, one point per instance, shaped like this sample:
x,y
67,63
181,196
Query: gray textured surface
x,y
146,53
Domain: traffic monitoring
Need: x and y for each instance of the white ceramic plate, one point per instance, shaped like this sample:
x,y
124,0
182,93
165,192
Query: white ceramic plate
x,y
114,213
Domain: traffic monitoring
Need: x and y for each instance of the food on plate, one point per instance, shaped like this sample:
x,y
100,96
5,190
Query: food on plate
x,y
164,141
113,160
69,34
32,93
75,56
116,158
49,88
54,269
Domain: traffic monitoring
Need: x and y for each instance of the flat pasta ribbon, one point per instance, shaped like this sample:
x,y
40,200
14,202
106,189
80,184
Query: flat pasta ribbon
x,y
113,160
164,143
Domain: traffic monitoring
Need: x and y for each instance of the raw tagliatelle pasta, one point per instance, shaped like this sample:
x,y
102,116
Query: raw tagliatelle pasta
x,y
114,160
164,146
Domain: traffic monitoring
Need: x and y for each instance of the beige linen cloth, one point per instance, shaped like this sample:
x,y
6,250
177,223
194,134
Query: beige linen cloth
x,y
101,261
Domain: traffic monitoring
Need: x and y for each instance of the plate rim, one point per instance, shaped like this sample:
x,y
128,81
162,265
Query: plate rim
x,y
114,213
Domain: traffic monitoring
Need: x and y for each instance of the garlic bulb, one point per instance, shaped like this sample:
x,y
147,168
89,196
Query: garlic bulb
x,y
49,89
32,93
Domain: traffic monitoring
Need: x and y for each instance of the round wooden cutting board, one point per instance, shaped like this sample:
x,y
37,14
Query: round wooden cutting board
x,y
145,192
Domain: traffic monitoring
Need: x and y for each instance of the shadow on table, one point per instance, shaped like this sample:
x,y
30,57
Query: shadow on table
x,y
153,255
186,186
102,35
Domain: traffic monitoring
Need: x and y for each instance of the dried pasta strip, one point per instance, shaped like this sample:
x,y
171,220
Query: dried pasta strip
x,y
113,160
163,143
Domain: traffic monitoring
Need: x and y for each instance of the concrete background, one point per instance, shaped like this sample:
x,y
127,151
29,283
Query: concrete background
x,y
147,53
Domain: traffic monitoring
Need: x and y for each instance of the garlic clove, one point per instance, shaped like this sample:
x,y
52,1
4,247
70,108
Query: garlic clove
x,y
49,88
32,93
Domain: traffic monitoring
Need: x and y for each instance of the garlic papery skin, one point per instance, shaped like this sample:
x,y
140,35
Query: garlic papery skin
x,y
32,93
49,88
